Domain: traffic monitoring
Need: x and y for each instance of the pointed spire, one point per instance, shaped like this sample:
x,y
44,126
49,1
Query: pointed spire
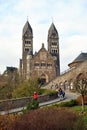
x,y
52,29
27,26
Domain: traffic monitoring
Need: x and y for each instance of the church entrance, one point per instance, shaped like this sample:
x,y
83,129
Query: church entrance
x,y
43,79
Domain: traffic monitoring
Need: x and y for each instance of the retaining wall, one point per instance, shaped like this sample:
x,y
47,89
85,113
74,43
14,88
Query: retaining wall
x,y
22,102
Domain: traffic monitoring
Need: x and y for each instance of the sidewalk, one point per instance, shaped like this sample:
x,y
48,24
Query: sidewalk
x,y
51,102
40,105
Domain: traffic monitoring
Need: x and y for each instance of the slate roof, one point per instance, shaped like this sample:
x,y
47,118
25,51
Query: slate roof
x,y
82,57
27,26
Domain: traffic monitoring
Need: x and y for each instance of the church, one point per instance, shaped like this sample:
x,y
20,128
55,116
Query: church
x,y
44,64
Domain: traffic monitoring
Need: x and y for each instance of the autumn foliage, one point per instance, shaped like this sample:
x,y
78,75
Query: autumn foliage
x,y
7,121
43,119
79,100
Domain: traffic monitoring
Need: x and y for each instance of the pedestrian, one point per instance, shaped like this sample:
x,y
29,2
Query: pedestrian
x,y
61,93
35,103
35,95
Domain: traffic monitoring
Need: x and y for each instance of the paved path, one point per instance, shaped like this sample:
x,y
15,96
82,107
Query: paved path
x,y
68,97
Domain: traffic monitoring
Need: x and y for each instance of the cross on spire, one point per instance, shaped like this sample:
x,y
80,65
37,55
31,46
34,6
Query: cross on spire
x,y
27,18
52,19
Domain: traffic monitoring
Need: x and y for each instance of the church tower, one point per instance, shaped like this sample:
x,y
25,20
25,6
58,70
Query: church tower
x,y
53,46
27,46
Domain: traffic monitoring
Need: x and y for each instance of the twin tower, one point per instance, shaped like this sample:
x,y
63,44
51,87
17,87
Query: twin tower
x,y
44,64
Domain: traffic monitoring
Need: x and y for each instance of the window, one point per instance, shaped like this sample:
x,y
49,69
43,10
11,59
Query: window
x,y
54,43
36,64
56,51
49,65
27,42
52,51
26,49
43,64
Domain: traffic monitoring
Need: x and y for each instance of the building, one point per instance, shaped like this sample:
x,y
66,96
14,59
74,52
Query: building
x,y
10,71
78,60
77,70
45,64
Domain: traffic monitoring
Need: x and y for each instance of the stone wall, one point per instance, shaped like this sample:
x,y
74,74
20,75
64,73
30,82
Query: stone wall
x,y
22,102
67,77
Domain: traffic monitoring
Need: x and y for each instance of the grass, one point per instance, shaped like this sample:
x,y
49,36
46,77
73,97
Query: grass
x,y
79,110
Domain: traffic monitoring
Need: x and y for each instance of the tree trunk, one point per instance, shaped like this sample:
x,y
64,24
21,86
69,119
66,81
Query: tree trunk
x,y
83,108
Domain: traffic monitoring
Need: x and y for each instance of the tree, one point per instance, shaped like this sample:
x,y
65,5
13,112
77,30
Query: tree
x,y
26,88
9,80
81,87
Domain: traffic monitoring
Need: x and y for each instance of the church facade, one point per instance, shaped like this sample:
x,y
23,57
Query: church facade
x,y
45,64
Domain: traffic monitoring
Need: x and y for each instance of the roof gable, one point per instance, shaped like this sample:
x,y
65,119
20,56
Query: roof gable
x,y
43,54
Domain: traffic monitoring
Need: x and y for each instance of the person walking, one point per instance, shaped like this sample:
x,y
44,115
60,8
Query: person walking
x,y
35,95
61,93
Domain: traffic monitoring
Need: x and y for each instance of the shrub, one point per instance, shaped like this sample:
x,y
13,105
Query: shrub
x,y
70,103
79,100
33,105
45,119
53,93
7,121
49,119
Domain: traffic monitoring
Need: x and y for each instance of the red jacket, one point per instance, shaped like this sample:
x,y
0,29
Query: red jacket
x,y
35,95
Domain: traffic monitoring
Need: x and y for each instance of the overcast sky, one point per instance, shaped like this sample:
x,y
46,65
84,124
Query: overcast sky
x,y
69,17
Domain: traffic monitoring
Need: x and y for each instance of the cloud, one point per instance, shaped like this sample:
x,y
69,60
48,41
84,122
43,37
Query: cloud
x,y
68,16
